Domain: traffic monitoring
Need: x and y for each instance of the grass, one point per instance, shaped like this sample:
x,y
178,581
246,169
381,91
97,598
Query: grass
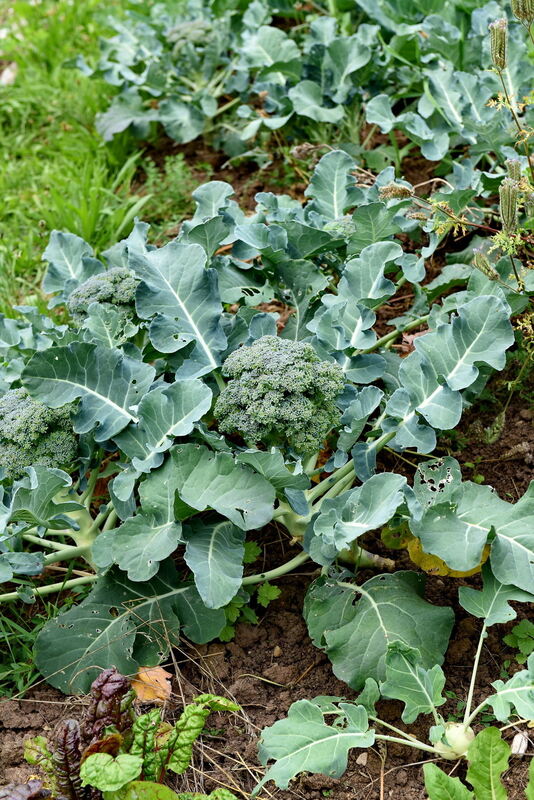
x,y
55,170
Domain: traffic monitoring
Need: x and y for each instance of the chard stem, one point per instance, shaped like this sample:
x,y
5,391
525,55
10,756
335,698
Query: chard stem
x,y
42,591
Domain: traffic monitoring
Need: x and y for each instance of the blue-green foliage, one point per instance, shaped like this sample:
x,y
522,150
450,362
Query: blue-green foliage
x,y
423,69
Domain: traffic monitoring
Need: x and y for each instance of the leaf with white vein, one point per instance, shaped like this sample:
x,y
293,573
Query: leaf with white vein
x,y
419,689
214,480
214,553
304,742
181,298
330,186
109,384
390,608
445,362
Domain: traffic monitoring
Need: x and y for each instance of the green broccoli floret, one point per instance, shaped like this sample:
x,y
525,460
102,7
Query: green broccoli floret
x,y
115,288
31,433
281,394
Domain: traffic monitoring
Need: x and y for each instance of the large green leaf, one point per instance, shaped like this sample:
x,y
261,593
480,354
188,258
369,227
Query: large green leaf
x,y
307,99
303,742
330,186
342,520
271,465
214,480
391,608
214,553
34,501
268,46
168,411
419,689
363,277
181,298
374,222
488,756
125,625
70,262
441,786
109,384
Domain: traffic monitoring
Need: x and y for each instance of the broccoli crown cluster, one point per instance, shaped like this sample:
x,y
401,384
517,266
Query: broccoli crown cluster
x,y
280,394
116,288
31,433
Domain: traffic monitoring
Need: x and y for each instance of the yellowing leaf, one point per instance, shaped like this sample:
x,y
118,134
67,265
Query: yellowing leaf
x,y
434,565
152,684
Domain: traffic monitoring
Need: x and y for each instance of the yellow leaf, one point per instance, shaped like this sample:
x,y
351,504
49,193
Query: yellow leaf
x,y
436,566
152,684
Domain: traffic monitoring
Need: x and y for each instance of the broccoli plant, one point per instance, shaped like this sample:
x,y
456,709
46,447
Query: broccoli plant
x,y
204,418
280,395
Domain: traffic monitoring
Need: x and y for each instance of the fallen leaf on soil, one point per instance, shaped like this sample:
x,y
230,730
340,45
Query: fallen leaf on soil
x,y
152,684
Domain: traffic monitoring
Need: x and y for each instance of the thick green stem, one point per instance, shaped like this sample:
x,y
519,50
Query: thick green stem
x,y
324,486
87,495
219,380
29,537
67,554
51,588
390,337
359,557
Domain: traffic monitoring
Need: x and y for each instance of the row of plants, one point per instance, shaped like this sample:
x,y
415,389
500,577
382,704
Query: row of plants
x,y
157,409
203,424
239,72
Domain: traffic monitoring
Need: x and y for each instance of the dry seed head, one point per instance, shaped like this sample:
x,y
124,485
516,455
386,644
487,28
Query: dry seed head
x,y
481,263
508,192
395,191
499,42
523,10
513,168
529,206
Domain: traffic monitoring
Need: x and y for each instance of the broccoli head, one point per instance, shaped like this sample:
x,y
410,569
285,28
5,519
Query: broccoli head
x,y
115,288
280,394
31,433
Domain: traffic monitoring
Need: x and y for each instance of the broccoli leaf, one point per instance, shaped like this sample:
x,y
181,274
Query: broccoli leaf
x,y
214,552
214,480
419,689
125,624
109,383
391,608
305,742
181,298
